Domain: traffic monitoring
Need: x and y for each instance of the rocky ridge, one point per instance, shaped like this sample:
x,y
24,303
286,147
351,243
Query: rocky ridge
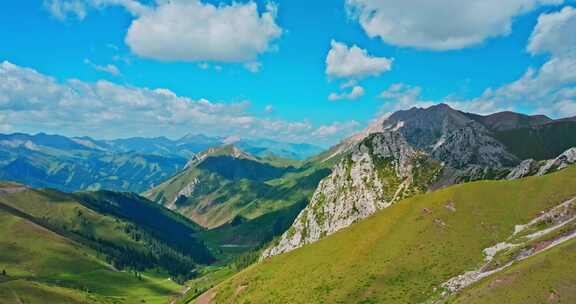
x,y
380,170
419,150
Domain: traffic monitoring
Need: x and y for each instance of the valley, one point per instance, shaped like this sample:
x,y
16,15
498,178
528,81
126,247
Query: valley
x,y
428,205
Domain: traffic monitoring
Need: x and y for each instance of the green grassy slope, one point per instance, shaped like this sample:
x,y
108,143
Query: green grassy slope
x,y
226,187
545,278
540,143
404,253
125,241
72,170
44,267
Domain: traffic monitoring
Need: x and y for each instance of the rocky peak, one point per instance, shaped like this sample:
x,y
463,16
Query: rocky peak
x,y
375,173
227,150
450,136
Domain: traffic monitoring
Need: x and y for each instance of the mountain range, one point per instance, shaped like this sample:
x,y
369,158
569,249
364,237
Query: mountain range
x,y
413,152
426,205
133,164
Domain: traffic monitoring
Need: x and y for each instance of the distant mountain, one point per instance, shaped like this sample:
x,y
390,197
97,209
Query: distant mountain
x,y
83,168
190,144
540,142
132,164
223,183
503,121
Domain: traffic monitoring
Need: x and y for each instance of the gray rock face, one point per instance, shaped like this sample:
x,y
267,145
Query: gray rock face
x,y
407,153
524,169
451,136
564,160
379,171
531,167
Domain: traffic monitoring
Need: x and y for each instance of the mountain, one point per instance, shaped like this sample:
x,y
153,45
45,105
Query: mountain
x,y
132,164
381,170
450,136
407,153
95,247
479,242
70,164
507,120
270,148
224,183
540,142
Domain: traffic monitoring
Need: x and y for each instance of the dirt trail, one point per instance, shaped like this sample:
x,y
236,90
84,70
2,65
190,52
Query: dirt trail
x,y
14,189
206,298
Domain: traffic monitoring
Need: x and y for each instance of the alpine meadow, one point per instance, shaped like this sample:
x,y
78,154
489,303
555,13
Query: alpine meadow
x,y
287,152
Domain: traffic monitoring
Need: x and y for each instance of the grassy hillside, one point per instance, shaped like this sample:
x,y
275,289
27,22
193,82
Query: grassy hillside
x,y
44,267
404,253
542,142
86,170
101,247
225,183
546,278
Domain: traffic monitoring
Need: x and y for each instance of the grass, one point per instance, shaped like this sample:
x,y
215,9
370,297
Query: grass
x,y
227,187
544,278
403,253
44,267
210,277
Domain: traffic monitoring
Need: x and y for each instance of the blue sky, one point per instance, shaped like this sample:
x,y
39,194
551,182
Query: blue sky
x,y
409,53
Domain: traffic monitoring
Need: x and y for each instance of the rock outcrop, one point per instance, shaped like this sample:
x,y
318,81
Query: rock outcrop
x,y
398,156
380,170
531,167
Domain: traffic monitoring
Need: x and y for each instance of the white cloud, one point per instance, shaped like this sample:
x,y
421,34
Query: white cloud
x,y
109,68
253,67
555,33
353,62
63,9
348,84
204,66
188,30
269,109
549,89
400,96
440,24
4,125
355,93
31,101
340,129
195,31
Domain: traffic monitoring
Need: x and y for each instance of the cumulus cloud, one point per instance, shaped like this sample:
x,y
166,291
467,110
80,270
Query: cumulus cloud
x,y
355,93
64,9
439,25
108,68
189,30
549,89
342,129
400,96
31,101
354,62
555,33
196,31
253,67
